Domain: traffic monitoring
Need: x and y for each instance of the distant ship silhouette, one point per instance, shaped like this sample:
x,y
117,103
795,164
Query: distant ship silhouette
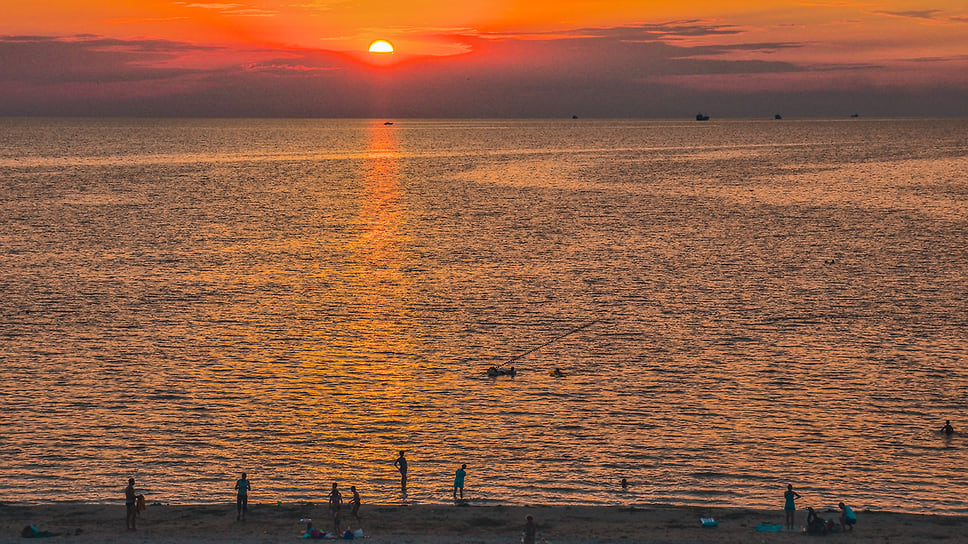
x,y
702,117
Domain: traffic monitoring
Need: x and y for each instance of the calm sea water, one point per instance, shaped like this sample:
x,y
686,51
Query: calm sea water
x,y
775,302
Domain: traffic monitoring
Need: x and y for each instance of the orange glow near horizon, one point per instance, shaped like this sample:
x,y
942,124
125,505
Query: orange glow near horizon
x,y
734,45
337,27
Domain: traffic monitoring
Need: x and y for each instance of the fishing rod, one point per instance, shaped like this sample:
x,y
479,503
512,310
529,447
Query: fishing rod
x,y
552,341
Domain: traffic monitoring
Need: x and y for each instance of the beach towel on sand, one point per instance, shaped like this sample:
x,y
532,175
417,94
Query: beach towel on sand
x,y
768,528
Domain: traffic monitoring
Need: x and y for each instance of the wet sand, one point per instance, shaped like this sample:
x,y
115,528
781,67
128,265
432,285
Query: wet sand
x,y
442,524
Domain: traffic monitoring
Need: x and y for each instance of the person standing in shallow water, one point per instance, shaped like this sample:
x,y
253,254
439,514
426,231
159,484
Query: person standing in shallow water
x,y
401,464
789,506
459,482
947,429
243,486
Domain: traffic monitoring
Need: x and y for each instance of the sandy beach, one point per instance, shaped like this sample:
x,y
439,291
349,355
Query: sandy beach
x,y
441,524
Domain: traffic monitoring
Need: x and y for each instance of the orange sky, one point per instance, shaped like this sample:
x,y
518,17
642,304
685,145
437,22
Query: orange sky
x,y
756,46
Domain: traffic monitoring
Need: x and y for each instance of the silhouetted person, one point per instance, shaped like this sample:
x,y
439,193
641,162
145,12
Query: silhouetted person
x,y
129,503
529,530
947,429
625,483
789,506
243,486
401,464
335,507
847,517
459,482
355,503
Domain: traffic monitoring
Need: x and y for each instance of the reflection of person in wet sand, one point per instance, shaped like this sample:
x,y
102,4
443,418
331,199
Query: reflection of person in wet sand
x,y
335,504
401,464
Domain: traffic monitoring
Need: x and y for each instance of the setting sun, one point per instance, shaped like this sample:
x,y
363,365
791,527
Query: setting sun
x,y
381,46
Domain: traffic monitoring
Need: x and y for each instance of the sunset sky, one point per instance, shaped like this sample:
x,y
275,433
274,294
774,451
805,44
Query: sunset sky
x,y
476,58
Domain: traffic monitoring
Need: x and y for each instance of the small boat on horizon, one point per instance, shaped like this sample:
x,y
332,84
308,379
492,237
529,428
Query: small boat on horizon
x,y
702,117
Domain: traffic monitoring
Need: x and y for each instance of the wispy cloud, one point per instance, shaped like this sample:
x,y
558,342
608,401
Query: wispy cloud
x,y
926,14
231,9
139,20
287,69
668,31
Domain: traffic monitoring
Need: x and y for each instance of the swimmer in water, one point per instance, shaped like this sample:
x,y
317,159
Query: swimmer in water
x,y
947,429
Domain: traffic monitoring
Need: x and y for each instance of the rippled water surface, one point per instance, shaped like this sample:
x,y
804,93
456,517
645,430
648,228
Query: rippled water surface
x,y
773,302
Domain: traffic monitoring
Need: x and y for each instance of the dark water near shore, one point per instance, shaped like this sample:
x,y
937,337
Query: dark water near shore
x,y
776,302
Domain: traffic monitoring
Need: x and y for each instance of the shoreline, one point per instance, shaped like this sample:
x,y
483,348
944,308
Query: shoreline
x,y
441,524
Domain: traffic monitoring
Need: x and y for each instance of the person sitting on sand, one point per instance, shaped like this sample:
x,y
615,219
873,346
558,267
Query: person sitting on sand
x,y
815,524
312,532
847,517
947,429
31,531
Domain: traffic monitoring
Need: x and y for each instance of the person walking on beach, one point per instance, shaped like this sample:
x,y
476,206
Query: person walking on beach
x,y
335,506
129,504
459,482
847,517
243,486
401,464
789,506
355,503
529,530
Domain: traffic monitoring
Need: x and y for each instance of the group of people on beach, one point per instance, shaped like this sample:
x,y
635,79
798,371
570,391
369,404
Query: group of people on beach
x,y
816,524
135,502
401,465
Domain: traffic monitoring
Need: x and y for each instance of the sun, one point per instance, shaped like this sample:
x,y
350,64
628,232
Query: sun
x,y
381,46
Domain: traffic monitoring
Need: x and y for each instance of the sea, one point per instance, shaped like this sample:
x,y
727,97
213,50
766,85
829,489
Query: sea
x,y
736,305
